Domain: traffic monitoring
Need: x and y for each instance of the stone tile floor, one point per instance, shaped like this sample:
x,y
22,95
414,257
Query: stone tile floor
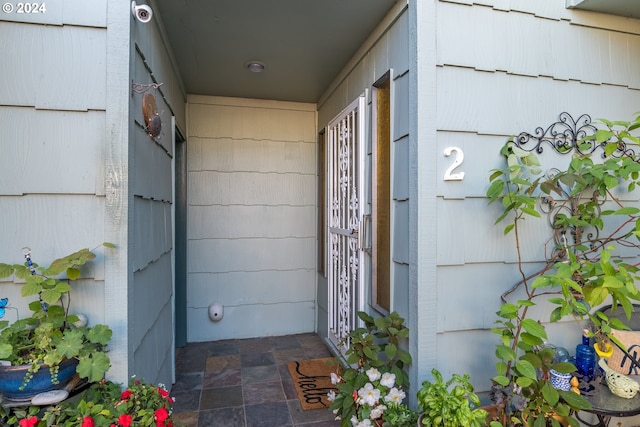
x,y
245,383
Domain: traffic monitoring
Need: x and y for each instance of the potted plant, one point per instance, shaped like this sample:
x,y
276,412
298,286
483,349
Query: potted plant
x,y
583,269
374,379
450,403
51,339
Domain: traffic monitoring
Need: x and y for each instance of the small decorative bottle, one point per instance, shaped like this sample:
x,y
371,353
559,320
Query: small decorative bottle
x,y
585,359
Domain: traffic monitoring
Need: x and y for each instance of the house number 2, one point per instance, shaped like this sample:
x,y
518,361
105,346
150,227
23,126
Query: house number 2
x,y
449,175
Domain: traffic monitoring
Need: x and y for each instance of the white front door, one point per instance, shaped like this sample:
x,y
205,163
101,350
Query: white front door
x,y
345,199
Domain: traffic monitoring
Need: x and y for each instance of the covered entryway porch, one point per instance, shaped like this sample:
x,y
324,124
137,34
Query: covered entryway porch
x,y
253,241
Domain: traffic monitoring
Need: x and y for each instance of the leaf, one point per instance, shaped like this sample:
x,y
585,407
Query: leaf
x,y
603,135
501,380
505,353
574,400
30,289
550,394
531,212
99,334
73,273
94,367
50,296
526,369
564,367
531,340
534,328
404,356
6,270
390,350
5,350
627,210
71,345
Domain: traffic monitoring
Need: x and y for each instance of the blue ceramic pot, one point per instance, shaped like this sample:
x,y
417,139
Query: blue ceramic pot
x,y
12,377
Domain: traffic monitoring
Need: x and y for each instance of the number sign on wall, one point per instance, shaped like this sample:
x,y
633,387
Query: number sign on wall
x,y
457,161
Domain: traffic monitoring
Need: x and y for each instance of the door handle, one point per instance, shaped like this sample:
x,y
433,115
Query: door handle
x,y
362,233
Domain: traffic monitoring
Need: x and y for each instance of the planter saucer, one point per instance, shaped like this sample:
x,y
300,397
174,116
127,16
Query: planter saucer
x,y
49,397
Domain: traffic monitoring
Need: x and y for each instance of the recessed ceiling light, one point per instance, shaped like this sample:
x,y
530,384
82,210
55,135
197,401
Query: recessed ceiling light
x,y
255,66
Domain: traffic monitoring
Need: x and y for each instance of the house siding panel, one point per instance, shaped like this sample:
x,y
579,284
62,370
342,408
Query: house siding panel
x,y
400,169
250,287
63,141
252,230
151,197
53,67
59,12
252,321
239,221
250,155
502,68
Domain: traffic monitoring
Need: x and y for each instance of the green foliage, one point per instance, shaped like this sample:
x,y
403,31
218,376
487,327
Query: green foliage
x,y
399,415
376,363
450,403
103,404
49,335
584,271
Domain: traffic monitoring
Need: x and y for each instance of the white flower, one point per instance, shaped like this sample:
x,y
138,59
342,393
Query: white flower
x,y
354,421
395,396
363,423
373,374
335,379
331,396
377,412
388,379
369,395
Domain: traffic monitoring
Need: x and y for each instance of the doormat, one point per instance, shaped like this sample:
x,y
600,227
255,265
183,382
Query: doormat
x,y
312,380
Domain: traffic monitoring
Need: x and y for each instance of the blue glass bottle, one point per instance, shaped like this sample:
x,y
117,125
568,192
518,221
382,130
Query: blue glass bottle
x,y
585,359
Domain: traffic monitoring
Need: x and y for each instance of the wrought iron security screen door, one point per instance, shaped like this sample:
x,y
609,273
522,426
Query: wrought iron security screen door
x,y
345,195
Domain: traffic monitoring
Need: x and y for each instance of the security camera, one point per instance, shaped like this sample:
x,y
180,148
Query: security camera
x,y
143,13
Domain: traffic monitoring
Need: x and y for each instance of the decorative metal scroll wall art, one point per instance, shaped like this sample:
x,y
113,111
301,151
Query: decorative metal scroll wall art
x,y
568,136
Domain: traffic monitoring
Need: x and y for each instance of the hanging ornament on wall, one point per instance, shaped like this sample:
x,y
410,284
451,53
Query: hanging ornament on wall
x,y
152,120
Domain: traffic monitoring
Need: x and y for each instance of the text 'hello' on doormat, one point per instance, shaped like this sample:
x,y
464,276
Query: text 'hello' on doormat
x,y
312,380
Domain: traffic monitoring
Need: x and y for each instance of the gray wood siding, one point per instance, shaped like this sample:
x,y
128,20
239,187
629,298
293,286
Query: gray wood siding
x,y
79,169
151,185
55,108
251,217
53,67
503,67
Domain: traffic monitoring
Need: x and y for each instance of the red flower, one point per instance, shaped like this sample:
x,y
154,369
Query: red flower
x,y
88,422
163,392
125,420
28,422
126,394
161,415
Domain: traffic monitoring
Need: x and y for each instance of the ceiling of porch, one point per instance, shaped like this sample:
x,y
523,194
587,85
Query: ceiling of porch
x,y
302,43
